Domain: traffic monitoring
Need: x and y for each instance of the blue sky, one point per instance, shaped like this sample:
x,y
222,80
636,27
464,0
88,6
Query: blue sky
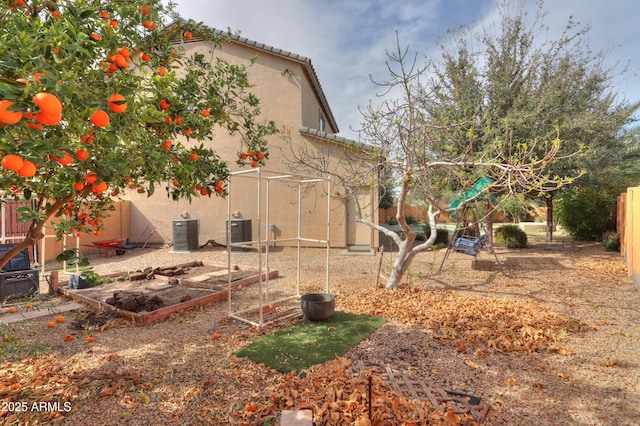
x,y
346,39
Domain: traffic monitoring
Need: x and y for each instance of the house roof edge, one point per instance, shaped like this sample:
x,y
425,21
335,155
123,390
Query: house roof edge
x,y
289,55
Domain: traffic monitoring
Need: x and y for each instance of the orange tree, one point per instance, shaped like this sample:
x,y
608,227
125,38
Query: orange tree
x,y
101,97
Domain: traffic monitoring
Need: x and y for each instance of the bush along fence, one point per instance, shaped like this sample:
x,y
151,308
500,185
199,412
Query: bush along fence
x,y
628,224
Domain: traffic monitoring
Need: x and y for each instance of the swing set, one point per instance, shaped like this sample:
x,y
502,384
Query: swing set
x,y
467,238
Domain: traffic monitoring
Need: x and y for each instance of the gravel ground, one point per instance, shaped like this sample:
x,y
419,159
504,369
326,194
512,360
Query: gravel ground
x,y
590,377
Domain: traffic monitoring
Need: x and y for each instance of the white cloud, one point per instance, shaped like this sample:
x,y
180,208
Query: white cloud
x,y
346,40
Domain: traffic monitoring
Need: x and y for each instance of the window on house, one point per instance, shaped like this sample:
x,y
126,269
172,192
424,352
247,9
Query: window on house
x,y
321,124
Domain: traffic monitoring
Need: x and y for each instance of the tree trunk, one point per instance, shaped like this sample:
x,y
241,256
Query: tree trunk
x,y
549,202
406,253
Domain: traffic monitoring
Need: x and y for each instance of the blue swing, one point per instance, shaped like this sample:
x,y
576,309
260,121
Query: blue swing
x,y
469,246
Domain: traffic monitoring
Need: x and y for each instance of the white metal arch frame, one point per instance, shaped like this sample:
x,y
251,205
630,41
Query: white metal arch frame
x,y
265,176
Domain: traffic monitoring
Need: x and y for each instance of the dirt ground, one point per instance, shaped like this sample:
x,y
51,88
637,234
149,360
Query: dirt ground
x,y
553,340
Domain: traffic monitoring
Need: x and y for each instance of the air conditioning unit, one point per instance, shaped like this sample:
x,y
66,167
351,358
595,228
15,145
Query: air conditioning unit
x,y
240,232
185,235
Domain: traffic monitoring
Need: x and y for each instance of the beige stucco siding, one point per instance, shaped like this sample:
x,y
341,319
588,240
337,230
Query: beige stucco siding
x,y
290,100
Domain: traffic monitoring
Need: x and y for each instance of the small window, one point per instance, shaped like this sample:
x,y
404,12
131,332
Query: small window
x,y
321,125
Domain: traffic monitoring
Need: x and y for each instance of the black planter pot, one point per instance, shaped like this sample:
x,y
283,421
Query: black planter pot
x,y
77,282
318,306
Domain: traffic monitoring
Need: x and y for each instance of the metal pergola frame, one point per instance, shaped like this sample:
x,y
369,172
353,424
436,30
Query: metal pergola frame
x,y
264,177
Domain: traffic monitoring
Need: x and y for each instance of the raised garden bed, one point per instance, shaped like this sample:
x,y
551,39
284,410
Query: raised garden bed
x,y
153,294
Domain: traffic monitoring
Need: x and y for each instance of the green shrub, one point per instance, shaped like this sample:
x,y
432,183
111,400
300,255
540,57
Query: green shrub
x,y
411,220
611,241
511,236
587,213
442,236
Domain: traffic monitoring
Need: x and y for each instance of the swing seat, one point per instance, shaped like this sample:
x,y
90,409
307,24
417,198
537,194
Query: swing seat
x,y
469,246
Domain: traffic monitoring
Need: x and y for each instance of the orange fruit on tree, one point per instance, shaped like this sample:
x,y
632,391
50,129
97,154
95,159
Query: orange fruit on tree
x,y
140,190
49,119
117,103
205,113
12,162
88,139
28,169
6,116
194,156
104,14
187,131
124,51
100,118
113,23
91,178
243,155
95,36
82,154
47,103
164,104
37,126
145,9
188,35
178,120
145,57
162,71
120,61
254,163
259,156
100,187
65,160
97,232
78,186
204,191
150,25
167,144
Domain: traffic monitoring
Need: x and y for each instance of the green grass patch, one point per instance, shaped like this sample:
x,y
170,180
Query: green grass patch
x,y
308,343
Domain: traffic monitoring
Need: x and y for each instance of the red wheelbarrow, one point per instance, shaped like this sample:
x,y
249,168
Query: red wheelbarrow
x,y
106,248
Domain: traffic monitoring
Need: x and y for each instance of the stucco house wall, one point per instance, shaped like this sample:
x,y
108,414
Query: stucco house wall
x,y
291,96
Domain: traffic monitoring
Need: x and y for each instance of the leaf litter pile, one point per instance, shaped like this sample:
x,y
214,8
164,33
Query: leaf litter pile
x,y
471,324
512,352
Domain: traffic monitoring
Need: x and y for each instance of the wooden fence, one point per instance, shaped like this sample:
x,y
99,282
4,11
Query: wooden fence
x,y
628,222
11,229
